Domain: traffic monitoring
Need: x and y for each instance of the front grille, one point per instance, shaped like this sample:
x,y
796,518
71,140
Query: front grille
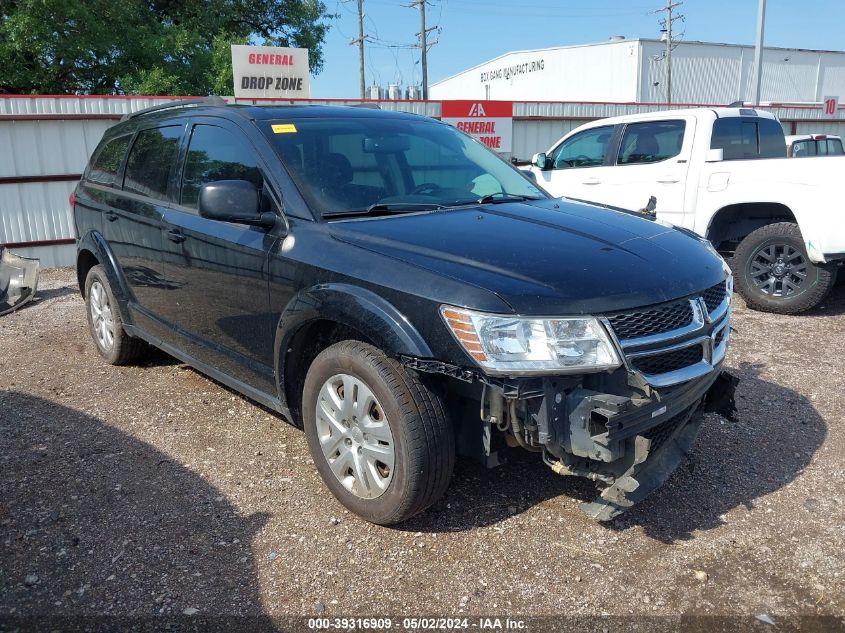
x,y
720,337
650,321
714,296
663,362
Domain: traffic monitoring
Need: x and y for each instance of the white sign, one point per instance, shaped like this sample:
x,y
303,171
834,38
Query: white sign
x,y
270,72
491,122
830,106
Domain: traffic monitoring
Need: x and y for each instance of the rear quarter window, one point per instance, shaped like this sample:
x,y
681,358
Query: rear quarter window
x,y
150,161
743,138
107,161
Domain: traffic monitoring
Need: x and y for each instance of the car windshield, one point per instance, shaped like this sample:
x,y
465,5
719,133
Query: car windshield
x,y
355,164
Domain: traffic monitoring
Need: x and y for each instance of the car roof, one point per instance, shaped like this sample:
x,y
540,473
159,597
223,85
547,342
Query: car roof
x,y
713,113
791,138
266,112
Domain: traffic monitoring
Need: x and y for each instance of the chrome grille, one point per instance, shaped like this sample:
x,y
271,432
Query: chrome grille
x,y
678,341
651,321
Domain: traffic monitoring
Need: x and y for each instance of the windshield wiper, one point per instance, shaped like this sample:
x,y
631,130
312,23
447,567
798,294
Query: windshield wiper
x,y
386,207
495,198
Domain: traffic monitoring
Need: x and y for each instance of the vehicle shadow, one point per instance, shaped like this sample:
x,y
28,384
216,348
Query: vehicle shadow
x,y
834,302
733,464
103,530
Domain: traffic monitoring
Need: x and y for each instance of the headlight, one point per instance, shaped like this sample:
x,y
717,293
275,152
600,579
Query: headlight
x,y
513,345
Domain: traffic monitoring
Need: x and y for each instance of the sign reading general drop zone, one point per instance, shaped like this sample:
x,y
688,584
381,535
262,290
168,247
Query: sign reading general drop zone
x,y
490,122
270,72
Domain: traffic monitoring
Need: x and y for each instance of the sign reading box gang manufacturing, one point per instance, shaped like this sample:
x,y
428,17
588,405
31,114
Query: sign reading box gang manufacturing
x,y
270,72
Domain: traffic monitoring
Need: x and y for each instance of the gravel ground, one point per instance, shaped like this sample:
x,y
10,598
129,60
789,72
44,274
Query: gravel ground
x,y
147,490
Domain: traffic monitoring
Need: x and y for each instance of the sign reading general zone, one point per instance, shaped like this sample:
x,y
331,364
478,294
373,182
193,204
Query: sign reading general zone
x,y
491,122
270,72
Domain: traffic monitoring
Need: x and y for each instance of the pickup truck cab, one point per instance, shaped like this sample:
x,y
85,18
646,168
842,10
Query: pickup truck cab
x,y
805,145
723,173
396,289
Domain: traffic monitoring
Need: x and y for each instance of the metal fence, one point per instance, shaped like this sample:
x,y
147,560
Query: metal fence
x,y
45,142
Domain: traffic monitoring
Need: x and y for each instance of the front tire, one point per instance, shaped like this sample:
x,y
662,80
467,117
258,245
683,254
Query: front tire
x,y
380,438
773,272
105,322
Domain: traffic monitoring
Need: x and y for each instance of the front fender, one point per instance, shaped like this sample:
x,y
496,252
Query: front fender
x,y
96,244
361,309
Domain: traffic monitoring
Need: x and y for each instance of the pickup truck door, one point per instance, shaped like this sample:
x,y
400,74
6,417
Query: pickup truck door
x,y
652,159
578,166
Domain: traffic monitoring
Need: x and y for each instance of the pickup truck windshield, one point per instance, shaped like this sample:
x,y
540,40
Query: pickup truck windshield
x,y
358,163
743,138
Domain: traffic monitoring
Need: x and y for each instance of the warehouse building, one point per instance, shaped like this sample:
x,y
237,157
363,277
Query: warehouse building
x,y
634,71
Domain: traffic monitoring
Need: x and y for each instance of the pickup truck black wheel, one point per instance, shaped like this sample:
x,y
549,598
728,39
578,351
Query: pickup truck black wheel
x,y
380,438
106,323
773,273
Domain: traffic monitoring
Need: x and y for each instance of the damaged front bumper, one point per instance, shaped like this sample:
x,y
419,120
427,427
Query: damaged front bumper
x,y
615,430
18,280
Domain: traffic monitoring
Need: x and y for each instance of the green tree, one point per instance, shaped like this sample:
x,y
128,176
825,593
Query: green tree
x,y
145,46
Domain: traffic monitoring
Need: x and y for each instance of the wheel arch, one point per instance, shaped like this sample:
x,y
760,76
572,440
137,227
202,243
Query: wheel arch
x,y
733,222
93,250
326,314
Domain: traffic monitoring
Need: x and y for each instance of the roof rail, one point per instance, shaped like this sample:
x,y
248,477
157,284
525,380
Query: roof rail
x,y
211,100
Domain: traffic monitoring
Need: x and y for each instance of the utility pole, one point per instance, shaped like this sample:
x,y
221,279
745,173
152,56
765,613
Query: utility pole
x,y
668,36
361,48
423,45
360,42
758,50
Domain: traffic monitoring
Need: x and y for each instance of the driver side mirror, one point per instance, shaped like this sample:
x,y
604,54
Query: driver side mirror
x,y
540,161
236,201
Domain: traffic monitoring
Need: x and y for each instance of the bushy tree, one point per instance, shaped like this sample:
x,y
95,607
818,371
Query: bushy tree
x,y
145,46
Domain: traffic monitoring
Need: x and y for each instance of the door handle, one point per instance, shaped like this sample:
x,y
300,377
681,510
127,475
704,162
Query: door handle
x,y
175,235
591,181
111,216
668,180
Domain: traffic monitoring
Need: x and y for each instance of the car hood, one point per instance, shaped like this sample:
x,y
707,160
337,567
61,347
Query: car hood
x,y
548,257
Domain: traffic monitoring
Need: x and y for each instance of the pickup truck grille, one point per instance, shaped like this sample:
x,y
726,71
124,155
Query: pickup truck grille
x,y
677,341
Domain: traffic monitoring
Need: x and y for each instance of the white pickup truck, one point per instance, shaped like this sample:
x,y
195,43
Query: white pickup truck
x,y
723,173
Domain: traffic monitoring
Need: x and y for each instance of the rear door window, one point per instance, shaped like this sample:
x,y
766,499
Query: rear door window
x,y
107,163
150,161
651,142
215,153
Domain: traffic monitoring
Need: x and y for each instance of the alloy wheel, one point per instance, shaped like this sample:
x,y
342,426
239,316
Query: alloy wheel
x,y
102,319
778,270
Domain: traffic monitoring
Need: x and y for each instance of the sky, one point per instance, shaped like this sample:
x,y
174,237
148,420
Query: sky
x,y
474,31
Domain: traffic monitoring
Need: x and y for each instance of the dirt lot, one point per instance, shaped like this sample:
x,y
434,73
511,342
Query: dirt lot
x,y
152,490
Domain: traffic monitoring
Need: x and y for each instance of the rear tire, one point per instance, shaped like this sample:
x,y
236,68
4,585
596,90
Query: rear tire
x,y
105,323
380,438
773,273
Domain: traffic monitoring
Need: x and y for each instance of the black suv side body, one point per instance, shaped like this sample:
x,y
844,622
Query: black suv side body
x,y
333,264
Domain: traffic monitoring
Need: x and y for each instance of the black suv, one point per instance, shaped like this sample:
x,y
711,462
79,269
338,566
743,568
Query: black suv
x,y
403,294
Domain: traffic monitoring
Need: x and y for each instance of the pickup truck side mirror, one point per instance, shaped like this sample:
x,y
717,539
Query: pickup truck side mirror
x,y
539,161
233,201
714,156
